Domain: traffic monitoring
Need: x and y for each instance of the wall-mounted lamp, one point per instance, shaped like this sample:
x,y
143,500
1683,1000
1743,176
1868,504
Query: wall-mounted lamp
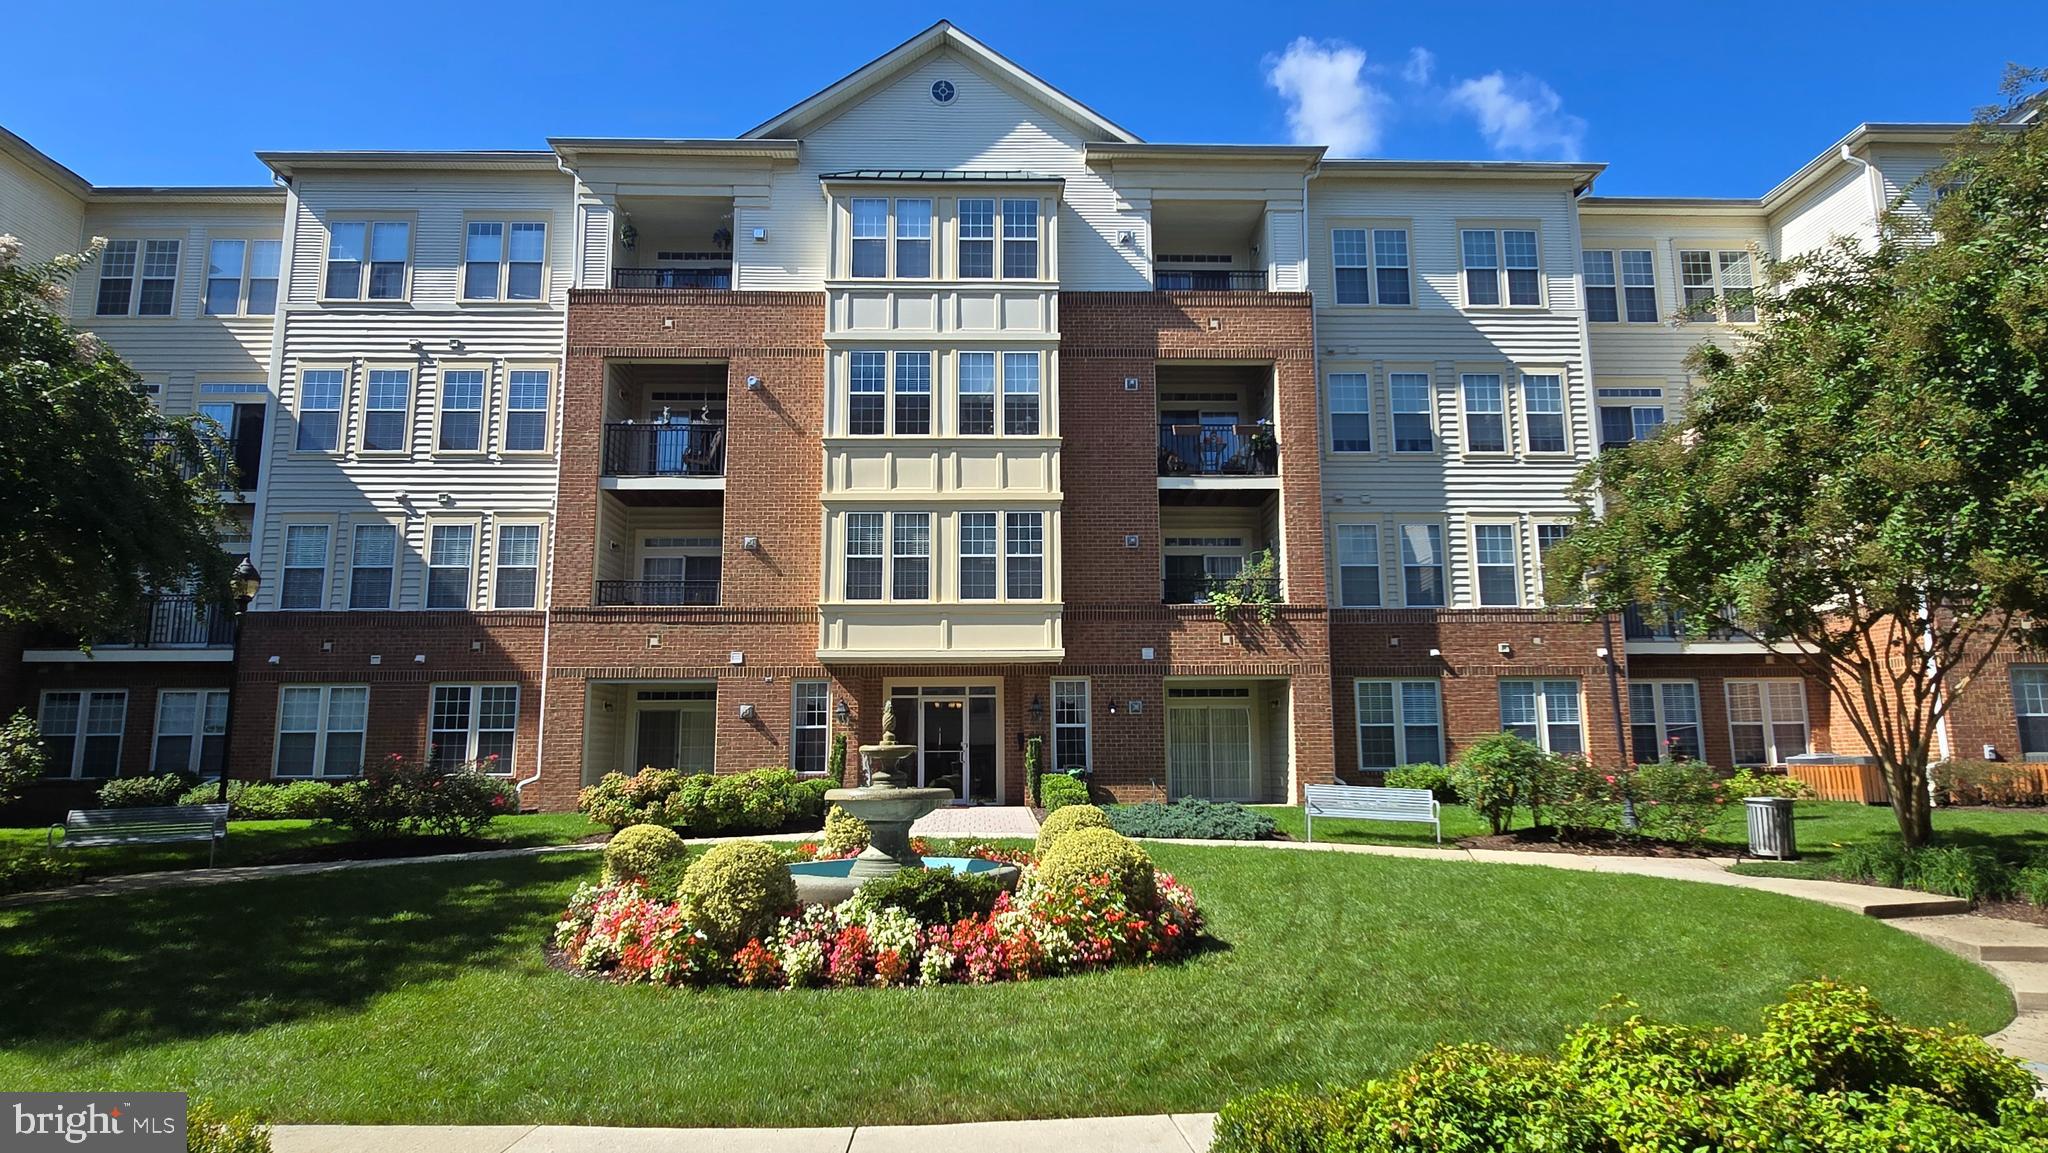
x,y
1436,654
444,499
1505,649
751,543
1601,652
760,235
841,713
746,712
1037,709
455,344
1112,704
753,383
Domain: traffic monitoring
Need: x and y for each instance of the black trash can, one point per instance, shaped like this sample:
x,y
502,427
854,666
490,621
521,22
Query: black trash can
x,y
1770,828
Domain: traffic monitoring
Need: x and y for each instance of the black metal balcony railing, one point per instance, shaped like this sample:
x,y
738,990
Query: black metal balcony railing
x,y
1217,450
1195,590
177,621
671,278
674,592
681,448
1654,623
1207,280
238,454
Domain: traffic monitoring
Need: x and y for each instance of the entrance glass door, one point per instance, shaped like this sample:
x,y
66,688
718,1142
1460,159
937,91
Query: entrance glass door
x,y
944,755
1209,752
954,729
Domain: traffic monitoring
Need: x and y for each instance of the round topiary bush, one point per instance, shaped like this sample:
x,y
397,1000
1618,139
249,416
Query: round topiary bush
x,y
735,892
1082,854
844,832
1060,822
637,852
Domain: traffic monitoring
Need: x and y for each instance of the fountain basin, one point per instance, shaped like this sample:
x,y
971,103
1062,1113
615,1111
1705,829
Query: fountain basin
x,y
830,882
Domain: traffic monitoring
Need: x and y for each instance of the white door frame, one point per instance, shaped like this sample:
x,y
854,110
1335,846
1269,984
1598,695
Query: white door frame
x,y
917,685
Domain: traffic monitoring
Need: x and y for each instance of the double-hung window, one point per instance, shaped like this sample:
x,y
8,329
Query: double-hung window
x,y
462,410
1399,723
82,732
977,224
1390,266
1543,412
1358,565
1664,720
1620,285
1414,410
1501,267
1496,565
810,714
122,292
977,406
1624,423
504,259
913,393
867,394
1422,565
1350,412
387,406
1020,239
864,556
526,409
305,567
320,391
473,724
1350,258
1545,713
191,731
913,239
451,556
1766,721
367,260
1070,725
320,730
1024,560
870,236
1548,536
516,582
1020,394
372,566
1486,420
1717,284
1372,265
241,277
2030,706
977,556
910,574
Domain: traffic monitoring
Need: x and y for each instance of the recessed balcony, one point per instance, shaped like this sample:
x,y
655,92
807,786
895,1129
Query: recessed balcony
x,y
1216,426
167,627
1208,246
673,243
664,431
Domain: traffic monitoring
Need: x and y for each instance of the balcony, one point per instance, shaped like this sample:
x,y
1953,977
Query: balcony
x,y
1195,590
657,593
1202,449
694,448
686,278
168,626
1654,629
1208,280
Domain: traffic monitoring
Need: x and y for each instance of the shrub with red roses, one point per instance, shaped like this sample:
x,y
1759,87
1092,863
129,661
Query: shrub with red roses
x,y
403,795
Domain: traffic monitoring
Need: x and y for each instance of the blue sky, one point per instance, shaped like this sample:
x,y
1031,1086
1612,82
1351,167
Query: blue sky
x,y
1717,100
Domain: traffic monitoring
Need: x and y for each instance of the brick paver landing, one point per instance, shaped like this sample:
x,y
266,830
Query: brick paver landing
x,y
977,821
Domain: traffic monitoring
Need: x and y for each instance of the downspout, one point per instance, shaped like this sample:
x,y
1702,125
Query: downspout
x,y
1315,354
1870,187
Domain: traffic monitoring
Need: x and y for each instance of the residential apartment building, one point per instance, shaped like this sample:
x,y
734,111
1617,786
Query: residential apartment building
x,y
938,389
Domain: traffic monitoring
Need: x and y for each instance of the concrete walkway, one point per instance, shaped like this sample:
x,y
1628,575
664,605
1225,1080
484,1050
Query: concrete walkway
x,y
1157,1133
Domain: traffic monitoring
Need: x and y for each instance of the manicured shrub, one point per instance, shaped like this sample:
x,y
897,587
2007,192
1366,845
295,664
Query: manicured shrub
x,y
35,869
810,797
637,852
845,834
1188,818
399,795
1958,871
835,761
143,792
931,896
1435,778
757,802
1058,790
1679,801
1884,861
210,1130
703,804
265,801
1083,854
736,891
1034,769
1060,822
1989,783
23,759
1582,801
1499,773
1761,783
1279,1121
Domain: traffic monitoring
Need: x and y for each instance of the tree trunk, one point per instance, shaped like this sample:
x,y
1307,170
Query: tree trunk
x,y
1910,804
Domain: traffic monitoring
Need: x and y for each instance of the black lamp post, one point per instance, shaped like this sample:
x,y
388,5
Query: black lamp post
x,y
245,582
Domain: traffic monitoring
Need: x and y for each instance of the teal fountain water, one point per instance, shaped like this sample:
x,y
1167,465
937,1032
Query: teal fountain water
x,y
888,804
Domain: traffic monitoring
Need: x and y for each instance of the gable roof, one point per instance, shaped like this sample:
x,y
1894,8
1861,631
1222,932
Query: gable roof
x,y
901,58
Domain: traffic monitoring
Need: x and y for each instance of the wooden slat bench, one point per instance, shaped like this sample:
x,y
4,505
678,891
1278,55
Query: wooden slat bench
x,y
1362,803
157,825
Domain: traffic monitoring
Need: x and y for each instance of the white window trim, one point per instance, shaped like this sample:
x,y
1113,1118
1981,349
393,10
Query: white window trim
x,y
1614,249
483,408
343,426
248,243
476,710
1658,719
1372,440
1543,721
369,223
398,553
196,754
1564,413
142,242
1369,226
1500,268
1514,527
797,728
327,563
1433,413
1537,579
76,772
1508,384
1046,529
361,423
890,556
1039,394
2035,755
477,546
499,523
505,261
547,409
1087,725
953,362
1400,721
1770,722
1338,566
1443,560
1753,250
322,733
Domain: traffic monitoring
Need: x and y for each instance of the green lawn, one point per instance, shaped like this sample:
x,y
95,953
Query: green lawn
x,y
256,842
419,994
1821,828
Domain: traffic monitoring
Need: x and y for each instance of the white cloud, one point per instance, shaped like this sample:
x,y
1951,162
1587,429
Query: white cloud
x,y
1520,116
1420,67
1328,99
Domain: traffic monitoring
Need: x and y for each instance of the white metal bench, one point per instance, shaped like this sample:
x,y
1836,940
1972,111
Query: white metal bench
x,y
1363,803
156,825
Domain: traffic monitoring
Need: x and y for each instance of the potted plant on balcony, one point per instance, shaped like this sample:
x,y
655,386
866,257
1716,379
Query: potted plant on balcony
x,y
1264,449
1256,587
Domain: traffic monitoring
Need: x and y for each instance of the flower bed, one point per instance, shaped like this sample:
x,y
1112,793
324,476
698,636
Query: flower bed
x,y
626,933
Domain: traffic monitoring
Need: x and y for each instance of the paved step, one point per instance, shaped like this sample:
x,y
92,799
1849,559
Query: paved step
x,y
2028,981
1982,938
1869,900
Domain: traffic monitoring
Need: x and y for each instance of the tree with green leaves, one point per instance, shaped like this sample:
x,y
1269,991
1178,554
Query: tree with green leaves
x,y
103,499
1861,485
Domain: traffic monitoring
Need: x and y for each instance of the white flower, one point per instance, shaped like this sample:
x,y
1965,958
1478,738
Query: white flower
x,y
53,292
87,347
10,248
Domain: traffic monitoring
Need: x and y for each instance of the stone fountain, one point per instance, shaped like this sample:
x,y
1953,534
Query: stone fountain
x,y
888,805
